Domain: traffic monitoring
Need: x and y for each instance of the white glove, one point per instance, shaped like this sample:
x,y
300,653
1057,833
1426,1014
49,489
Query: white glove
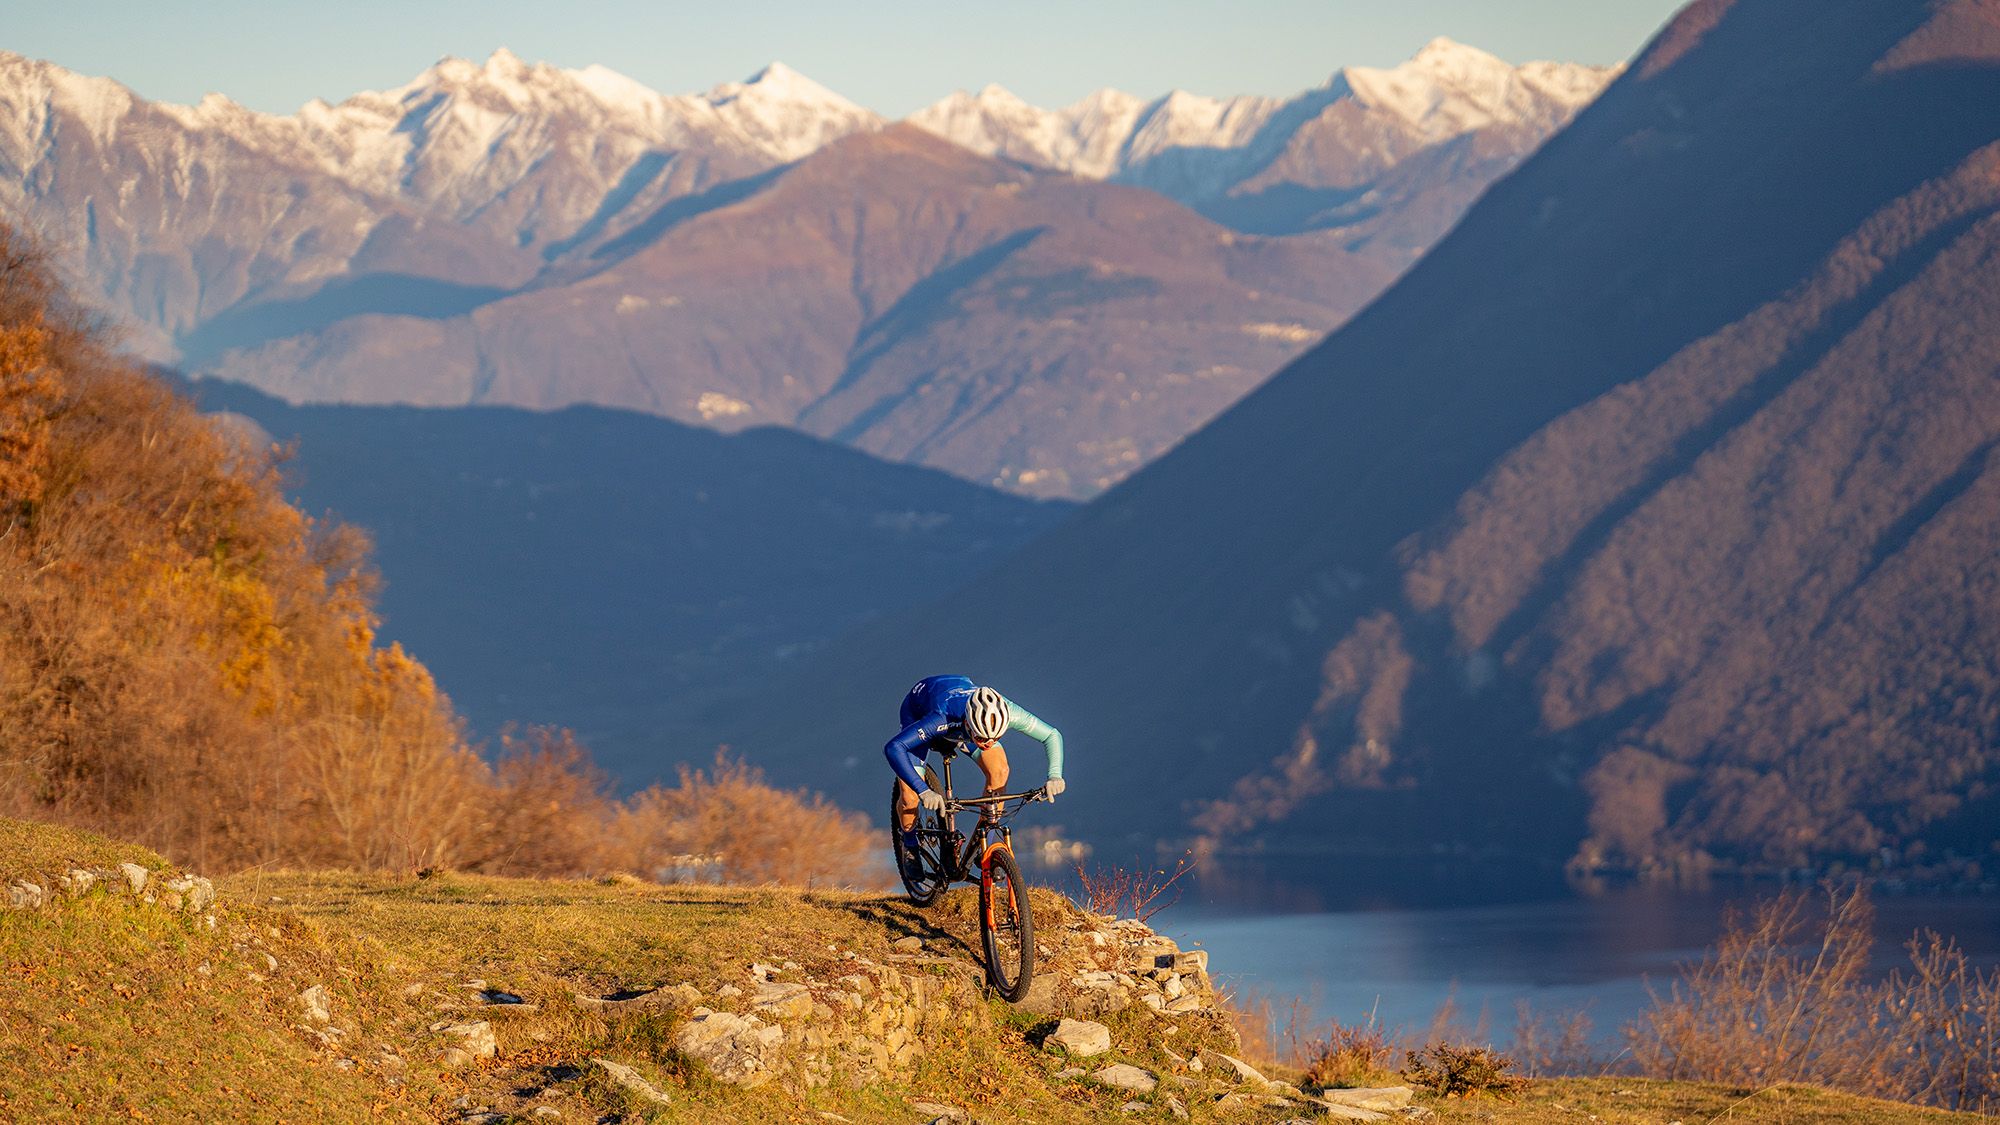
x,y
1054,787
932,800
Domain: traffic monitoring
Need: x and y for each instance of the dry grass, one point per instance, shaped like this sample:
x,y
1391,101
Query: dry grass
x,y
1786,997
1128,892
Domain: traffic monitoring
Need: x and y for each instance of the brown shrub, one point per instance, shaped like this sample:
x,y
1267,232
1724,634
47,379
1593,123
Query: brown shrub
x,y
1455,1071
1783,998
1349,1054
729,824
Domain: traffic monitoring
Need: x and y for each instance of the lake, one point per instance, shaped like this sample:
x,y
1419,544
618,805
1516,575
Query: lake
x,y
1346,952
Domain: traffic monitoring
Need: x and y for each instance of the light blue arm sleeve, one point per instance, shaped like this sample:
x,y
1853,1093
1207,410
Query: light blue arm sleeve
x,y
1021,719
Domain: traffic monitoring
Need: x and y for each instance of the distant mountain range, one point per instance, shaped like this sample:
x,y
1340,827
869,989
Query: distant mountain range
x,y
1652,520
768,252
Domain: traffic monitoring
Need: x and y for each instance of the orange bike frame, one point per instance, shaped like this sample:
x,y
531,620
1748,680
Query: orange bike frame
x,y
986,878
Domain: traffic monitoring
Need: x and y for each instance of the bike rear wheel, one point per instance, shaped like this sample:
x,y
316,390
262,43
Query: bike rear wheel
x,y
1006,926
921,868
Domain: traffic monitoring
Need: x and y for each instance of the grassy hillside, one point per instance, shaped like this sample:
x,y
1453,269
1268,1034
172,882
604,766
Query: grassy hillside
x,y
119,1007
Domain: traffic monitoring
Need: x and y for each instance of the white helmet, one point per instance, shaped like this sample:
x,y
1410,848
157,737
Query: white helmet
x,y
986,715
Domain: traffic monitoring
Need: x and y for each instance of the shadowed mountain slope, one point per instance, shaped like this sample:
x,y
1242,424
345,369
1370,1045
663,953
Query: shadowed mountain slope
x,y
613,572
1652,513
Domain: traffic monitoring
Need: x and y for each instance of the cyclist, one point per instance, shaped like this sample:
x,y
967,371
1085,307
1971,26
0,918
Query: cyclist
x,y
947,711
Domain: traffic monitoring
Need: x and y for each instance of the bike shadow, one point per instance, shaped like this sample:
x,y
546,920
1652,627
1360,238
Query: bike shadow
x,y
947,924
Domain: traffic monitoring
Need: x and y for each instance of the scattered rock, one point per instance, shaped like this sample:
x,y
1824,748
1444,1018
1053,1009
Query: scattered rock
x,y
939,1112
1069,1072
1133,1107
907,945
782,1001
672,998
550,1111
1192,961
736,1049
1175,1107
76,881
1234,1069
1079,1038
135,876
475,1041
1338,1112
23,895
1382,1099
187,892
1125,1076
316,1003
626,1078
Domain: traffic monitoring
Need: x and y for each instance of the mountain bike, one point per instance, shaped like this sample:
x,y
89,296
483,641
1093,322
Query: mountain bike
x,y
944,856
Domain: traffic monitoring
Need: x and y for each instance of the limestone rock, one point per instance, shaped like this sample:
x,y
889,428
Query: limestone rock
x,y
475,1041
23,895
1079,1038
1125,1076
1382,1099
937,1112
782,1001
624,1076
77,881
736,1049
135,876
316,1003
187,892
1234,1069
1337,1112
907,945
672,998
1192,961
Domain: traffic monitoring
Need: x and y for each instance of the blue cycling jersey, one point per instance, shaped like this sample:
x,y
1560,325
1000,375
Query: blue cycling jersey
x,y
933,718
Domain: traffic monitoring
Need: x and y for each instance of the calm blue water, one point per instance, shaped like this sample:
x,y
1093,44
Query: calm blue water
x,y
1558,953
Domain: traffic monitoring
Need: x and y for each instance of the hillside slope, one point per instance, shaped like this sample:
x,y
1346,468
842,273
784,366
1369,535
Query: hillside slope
x,y
1652,507
336,997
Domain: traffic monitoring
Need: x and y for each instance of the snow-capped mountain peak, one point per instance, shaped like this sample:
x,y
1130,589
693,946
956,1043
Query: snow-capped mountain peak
x,y
1187,143
787,114
1449,88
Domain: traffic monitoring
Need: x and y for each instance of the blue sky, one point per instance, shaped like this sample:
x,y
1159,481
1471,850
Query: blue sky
x,y
891,56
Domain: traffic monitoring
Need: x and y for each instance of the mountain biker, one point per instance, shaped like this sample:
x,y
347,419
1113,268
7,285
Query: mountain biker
x,y
948,711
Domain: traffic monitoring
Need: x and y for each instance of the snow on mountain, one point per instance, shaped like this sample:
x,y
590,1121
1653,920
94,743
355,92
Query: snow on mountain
x,y
1193,147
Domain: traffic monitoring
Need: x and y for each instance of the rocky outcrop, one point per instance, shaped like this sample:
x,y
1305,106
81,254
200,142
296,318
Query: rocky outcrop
x,y
175,891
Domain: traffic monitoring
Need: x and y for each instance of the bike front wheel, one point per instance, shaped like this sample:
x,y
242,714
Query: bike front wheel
x,y
921,867
1006,926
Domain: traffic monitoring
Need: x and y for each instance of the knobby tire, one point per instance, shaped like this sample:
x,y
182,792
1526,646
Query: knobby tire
x,y
923,872
1006,927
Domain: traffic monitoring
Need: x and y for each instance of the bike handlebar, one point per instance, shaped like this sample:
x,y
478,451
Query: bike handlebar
x,y
1039,793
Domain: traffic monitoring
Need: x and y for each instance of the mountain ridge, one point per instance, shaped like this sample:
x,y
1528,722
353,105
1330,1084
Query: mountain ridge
x,y
345,239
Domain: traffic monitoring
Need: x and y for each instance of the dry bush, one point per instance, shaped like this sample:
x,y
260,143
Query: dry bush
x,y
1455,1071
1785,998
1552,1043
730,824
1348,1054
1123,892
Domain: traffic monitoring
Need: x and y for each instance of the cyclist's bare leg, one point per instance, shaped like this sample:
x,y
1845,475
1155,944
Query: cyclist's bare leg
x,y
906,807
993,763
